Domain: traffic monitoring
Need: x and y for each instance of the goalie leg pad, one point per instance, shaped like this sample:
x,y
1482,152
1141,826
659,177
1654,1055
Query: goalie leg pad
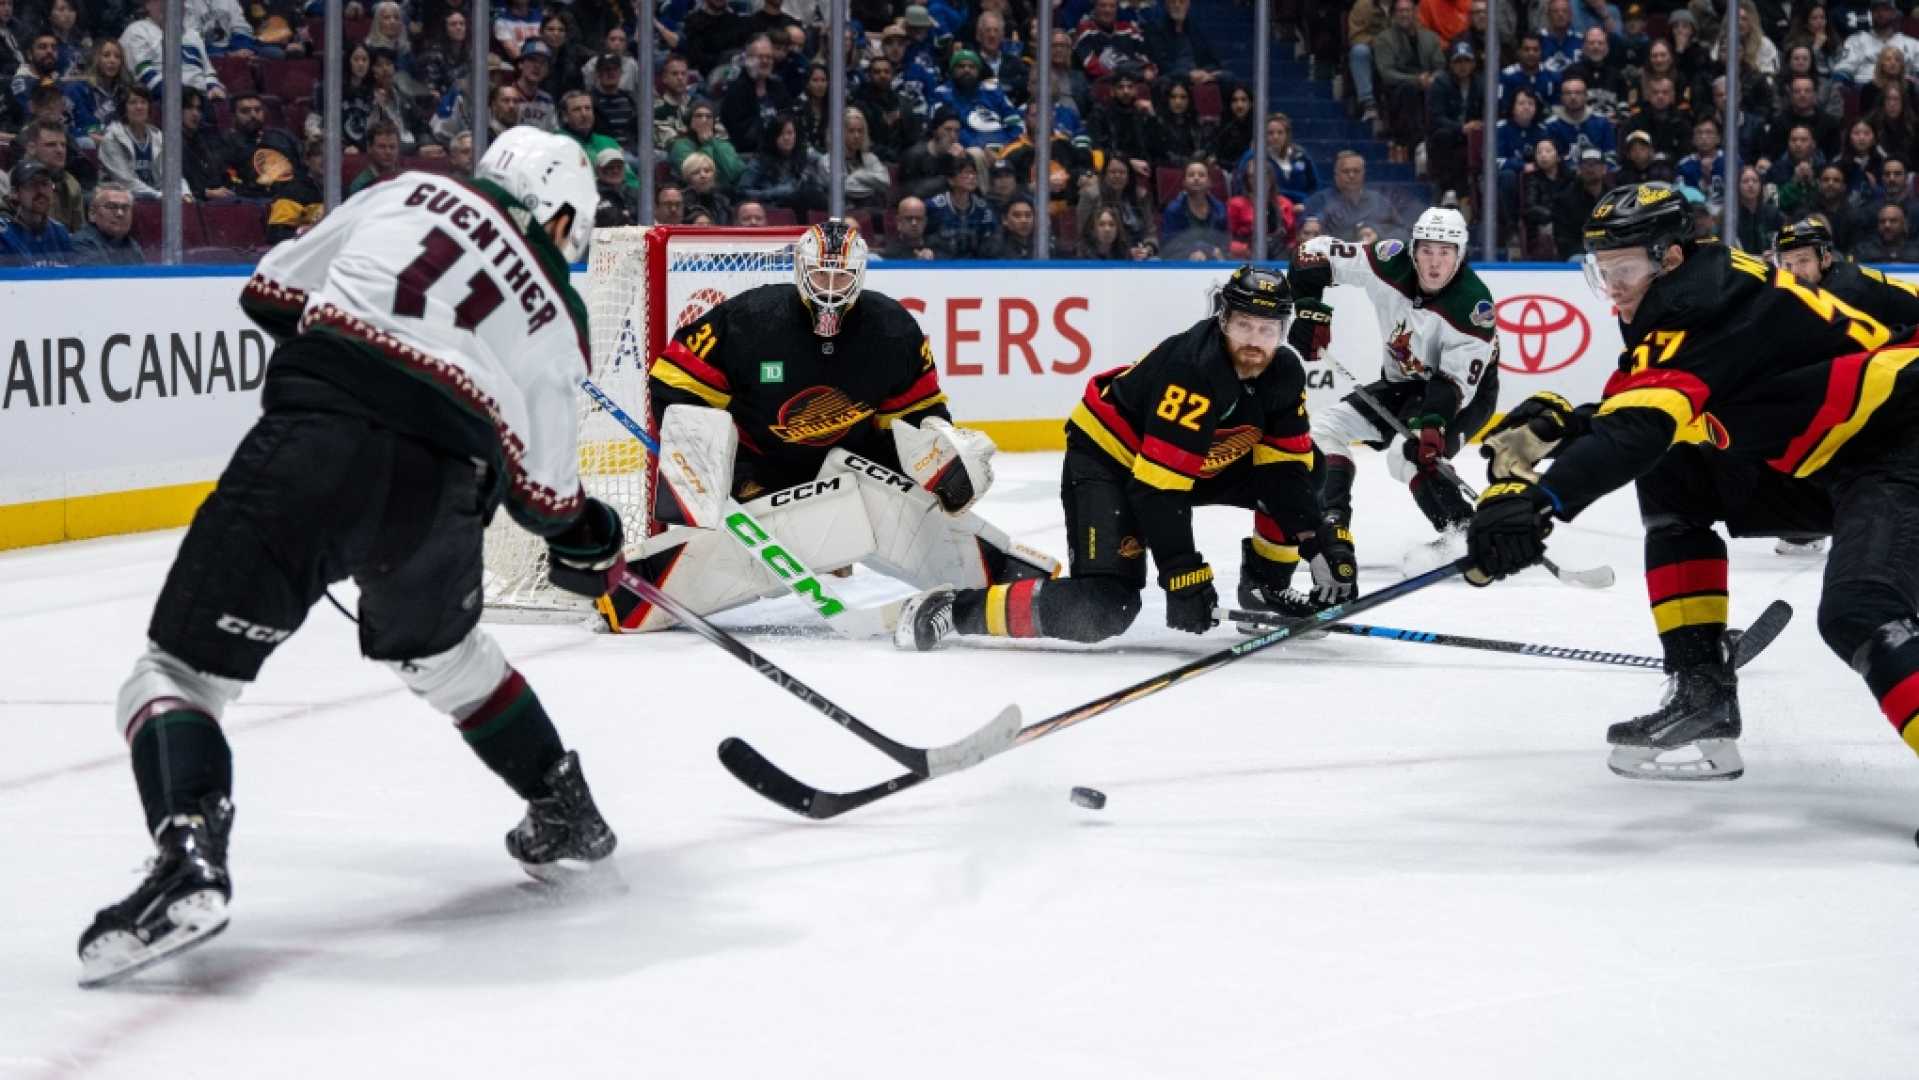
x,y
916,541
697,449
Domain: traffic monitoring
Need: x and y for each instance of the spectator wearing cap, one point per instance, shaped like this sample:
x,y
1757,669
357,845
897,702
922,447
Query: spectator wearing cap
x,y
1014,241
928,167
988,121
515,23
107,239
1343,208
672,101
537,108
619,201
1105,39
382,157
908,237
1861,52
1125,124
1888,242
615,44
1177,48
1530,72
1195,207
616,114
45,142
1574,121
34,237
144,42
1600,71
1002,183
867,178
1453,107
577,123
1409,58
1641,165
959,223
703,136
999,66
1705,167
922,36
712,30
1575,204
1666,124
755,98
916,76
890,121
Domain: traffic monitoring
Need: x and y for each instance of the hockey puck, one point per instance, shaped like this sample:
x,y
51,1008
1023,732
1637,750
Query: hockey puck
x,y
1090,798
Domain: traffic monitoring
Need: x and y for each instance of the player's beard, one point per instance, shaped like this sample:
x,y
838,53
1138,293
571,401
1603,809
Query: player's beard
x,y
1249,361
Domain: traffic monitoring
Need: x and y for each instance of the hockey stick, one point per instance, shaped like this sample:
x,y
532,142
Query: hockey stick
x,y
1752,641
751,768
925,762
743,527
1598,577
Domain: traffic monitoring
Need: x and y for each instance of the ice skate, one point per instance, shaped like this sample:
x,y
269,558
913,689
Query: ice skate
x,y
925,620
182,902
1260,590
562,835
1694,733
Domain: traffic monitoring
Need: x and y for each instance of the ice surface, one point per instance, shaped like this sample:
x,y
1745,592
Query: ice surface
x,y
1338,858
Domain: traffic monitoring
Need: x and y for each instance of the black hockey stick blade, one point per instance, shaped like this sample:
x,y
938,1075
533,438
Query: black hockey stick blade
x,y
1761,632
756,771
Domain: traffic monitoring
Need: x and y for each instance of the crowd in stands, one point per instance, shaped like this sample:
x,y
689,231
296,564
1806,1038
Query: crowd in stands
x,y
1151,136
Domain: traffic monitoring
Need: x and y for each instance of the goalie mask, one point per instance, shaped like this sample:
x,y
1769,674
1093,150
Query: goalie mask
x,y
829,264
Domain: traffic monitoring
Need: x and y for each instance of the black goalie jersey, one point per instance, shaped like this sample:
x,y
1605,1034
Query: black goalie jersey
x,y
793,394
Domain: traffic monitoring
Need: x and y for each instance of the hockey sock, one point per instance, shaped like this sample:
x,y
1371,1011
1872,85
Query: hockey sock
x,y
179,758
1267,559
1439,499
1336,493
1686,584
514,737
1000,610
1889,660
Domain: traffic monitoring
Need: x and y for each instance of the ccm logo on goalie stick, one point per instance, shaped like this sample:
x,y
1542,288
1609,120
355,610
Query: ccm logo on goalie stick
x,y
785,566
233,624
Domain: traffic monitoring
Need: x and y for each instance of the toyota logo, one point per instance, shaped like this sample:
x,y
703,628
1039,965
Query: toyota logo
x,y
1548,333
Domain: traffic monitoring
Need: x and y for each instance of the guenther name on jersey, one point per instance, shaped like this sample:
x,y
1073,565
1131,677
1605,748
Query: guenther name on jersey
x,y
460,213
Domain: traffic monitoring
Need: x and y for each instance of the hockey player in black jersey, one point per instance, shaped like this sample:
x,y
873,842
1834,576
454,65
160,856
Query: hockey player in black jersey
x,y
1804,250
1214,415
404,400
1742,397
818,406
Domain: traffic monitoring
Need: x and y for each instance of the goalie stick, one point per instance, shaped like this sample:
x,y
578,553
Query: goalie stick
x,y
1597,577
1751,641
753,769
925,762
802,582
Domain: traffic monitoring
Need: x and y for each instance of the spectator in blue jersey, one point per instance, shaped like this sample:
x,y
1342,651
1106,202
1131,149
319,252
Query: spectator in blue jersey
x,y
1195,207
1530,72
987,119
1559,39
33,237
959,223
1705,167
915,77
1297,178
1573,121
1514,140
41,68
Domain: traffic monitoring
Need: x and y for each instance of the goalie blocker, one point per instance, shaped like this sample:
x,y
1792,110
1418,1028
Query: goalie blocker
x,y
916,529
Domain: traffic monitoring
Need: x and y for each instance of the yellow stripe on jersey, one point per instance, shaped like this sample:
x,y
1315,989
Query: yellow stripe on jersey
x,y
1882,371
1689,611
885,419
1666,400
1147,471
1084,420
1273,455
672,375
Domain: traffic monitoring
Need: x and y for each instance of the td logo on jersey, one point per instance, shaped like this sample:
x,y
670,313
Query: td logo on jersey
x,y
1548,333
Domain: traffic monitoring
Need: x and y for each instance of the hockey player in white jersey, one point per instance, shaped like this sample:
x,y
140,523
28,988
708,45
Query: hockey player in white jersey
x,y
1440,372
430,345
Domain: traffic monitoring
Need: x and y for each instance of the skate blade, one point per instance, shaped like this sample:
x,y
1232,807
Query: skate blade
x,y
1713,759
580,875
197,918
1791,550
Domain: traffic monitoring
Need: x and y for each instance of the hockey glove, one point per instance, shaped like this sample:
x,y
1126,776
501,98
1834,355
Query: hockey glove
x,y
1329,552
1427,448
954,463
1311,274
1190,596
1312,328
1508,531
1536,428
589,558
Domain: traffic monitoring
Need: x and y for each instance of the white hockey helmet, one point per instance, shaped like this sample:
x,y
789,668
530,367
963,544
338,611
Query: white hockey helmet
x,y
829,265
1444,225
550,175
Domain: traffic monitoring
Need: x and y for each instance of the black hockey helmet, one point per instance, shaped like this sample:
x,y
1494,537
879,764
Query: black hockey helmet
x,y
1812,232
1653,215
1263,294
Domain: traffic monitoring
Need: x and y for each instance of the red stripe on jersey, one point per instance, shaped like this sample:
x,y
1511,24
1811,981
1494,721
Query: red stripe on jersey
x,y
1019,608
1292,444
689,361
925,386
1180,460
1901,702
1109,417
1268,530
1685,382
1842,397
1689,578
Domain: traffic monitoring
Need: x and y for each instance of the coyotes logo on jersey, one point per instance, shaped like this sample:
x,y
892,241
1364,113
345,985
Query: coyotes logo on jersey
x,y
819,416
1399,350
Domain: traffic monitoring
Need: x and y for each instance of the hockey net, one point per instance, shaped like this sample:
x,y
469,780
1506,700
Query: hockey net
x,y
642,284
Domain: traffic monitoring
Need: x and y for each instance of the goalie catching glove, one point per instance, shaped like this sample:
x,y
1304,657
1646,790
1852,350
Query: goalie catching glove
x,y
955,464
589,558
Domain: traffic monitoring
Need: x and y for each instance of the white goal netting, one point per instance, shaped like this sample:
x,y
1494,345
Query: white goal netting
x,y
642,283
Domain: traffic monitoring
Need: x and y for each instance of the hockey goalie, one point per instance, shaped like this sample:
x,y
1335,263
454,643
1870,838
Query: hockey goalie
x,y
816,408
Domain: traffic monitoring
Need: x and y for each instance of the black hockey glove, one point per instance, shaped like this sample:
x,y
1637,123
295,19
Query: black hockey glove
x,y
589,558
1190,596
1536,428
1508,531
1312,329
1329,552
